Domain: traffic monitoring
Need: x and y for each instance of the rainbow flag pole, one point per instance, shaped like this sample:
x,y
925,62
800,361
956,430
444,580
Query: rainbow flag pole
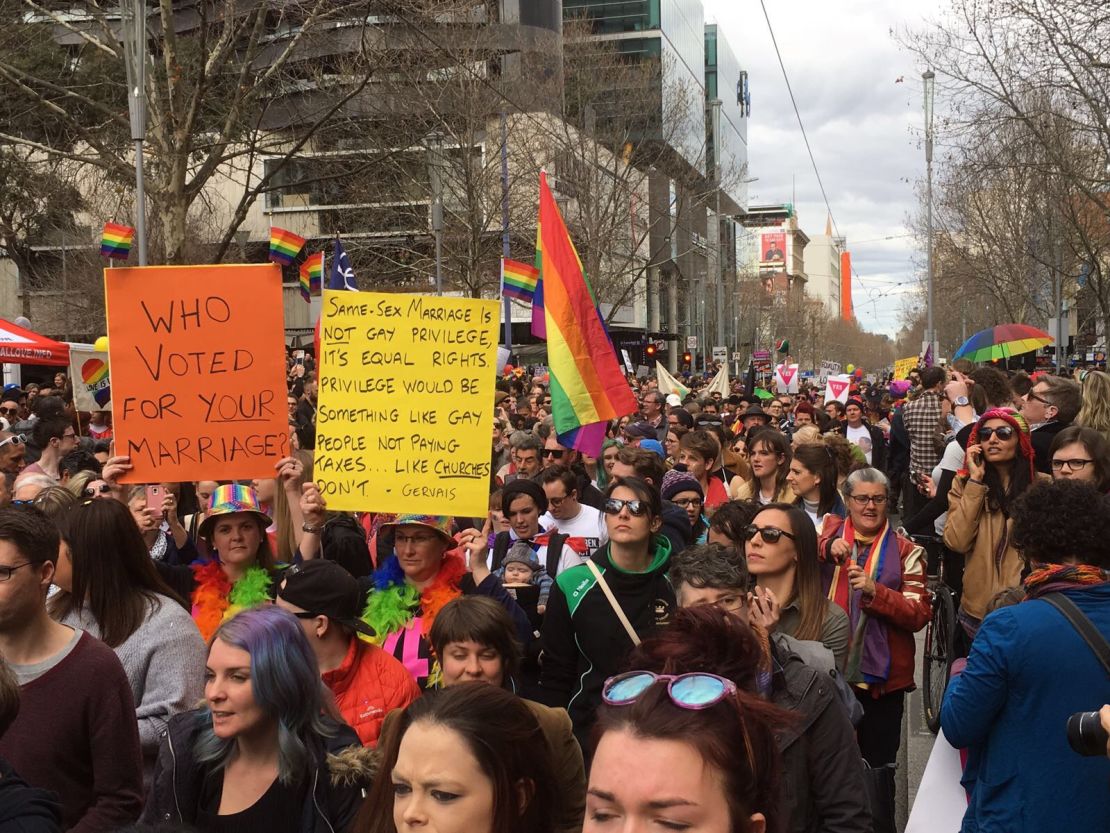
x,y
588,387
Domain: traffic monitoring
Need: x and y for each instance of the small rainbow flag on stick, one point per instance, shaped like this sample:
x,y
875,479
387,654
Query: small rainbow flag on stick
x,y
284,245
115,242
312,274
518,280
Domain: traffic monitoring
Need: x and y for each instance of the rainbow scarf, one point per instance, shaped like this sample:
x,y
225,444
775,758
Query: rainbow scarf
x,y
115,241
1049,578
588,387
284,245
869,658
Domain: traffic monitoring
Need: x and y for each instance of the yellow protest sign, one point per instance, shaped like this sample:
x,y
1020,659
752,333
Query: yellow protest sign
x,y
404,414
902,367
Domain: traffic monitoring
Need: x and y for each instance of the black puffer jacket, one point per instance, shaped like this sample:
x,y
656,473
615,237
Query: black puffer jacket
x,y
26,809
823,781
341,776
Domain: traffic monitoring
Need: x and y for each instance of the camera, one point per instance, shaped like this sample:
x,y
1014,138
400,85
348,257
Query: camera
x,y
1086,735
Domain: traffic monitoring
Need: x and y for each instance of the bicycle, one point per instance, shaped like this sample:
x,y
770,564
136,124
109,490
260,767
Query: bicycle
x,y
942,634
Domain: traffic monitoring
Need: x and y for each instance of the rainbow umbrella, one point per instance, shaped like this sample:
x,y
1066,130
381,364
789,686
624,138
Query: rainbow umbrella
x,y
1002,341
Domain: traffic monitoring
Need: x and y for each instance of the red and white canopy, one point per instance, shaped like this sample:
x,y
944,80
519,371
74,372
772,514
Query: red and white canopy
x,y
20,346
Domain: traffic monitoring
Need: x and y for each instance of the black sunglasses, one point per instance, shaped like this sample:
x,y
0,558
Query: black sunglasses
x,y
1003,432
557,453
637,508
770,534
103,489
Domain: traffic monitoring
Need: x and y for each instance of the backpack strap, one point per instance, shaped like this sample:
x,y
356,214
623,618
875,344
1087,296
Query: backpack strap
x,y
500,549
555,544
1083,625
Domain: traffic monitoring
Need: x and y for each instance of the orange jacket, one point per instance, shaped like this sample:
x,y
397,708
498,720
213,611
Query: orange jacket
x,y
368,685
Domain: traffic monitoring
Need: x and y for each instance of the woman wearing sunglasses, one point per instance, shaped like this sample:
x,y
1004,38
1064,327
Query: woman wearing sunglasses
x,y
878,577
598,610
685,752
999,466
781,550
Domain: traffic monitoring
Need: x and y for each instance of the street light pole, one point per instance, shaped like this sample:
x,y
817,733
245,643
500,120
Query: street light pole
x,y
929,78
134,59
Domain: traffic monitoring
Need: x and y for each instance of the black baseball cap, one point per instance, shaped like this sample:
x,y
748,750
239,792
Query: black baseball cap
x,y
323,588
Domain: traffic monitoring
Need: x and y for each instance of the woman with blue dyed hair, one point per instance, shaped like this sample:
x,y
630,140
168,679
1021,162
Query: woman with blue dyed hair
x,y
266,751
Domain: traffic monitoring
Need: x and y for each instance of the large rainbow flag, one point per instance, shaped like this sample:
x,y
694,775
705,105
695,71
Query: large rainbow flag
x,y
588,387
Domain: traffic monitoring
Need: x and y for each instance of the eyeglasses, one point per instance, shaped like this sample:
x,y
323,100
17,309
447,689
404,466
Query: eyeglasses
x,y
770,534
6,572
637,508
690,691
688,501
1003,432
557,453
863,500
732,604
556,501
70,436
102,489
1075,464
14,439
1034,395
9,411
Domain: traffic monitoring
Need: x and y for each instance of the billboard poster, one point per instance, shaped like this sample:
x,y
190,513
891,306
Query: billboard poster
x,y
772,247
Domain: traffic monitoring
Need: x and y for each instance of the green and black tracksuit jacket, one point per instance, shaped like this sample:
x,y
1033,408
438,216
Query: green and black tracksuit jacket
x,y
584,642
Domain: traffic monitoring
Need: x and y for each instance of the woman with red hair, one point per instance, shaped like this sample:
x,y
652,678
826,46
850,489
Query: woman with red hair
x,y
998,468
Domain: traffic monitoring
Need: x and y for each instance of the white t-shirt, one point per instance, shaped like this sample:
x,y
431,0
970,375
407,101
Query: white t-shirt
x,y
588,524
861,437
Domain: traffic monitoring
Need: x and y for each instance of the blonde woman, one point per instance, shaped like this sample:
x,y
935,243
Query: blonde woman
x,y
1095,412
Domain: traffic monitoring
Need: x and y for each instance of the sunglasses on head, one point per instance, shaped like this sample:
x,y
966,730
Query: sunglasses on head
x,y
770,534
1003,432
14,439
690,691
637,508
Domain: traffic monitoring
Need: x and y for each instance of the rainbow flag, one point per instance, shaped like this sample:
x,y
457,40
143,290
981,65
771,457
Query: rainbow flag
x,y
115,241
518,280
284,245
588,387
312,275
539,323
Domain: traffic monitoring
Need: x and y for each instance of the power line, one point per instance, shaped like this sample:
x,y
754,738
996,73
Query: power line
x,y
798,114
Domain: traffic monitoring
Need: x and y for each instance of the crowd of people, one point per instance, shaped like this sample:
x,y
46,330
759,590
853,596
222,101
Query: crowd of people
x,y
709,626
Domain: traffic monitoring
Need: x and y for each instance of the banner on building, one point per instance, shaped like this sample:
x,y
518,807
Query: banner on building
x,y
772,248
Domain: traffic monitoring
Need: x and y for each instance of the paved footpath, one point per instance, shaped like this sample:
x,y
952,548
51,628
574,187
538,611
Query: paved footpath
x,y
917,743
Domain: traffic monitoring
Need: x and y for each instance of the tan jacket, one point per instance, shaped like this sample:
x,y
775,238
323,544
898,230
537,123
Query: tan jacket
x,y
566,762
742,490
992,563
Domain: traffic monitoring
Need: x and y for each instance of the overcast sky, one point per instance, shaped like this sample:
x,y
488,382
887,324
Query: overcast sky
x,y
864,126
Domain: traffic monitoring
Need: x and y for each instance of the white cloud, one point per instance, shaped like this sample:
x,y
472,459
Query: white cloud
x,y
863,125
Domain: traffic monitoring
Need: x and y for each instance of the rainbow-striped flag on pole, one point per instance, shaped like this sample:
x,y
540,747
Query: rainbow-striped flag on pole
x,y
518,280
588,387
312,276
115,241
284,245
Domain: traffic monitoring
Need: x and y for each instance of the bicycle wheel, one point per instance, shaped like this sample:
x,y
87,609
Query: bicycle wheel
x,y
939,647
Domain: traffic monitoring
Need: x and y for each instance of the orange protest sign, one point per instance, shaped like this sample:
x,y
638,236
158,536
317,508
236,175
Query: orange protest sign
x,y
198,372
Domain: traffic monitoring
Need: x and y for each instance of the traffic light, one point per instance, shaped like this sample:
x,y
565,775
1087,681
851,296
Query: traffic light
x,y
688,358
650,350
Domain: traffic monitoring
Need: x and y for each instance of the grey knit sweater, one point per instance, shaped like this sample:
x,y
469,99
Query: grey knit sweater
x,y
164,660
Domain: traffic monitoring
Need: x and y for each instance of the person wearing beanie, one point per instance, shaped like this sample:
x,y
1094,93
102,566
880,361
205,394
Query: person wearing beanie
x,y
521,566
683,489
868,438
999,466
